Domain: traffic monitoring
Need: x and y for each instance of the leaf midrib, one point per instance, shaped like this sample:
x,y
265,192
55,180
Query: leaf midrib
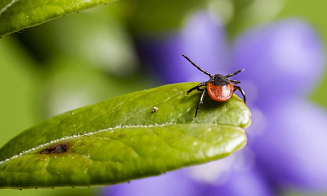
x,y
5,8
107,129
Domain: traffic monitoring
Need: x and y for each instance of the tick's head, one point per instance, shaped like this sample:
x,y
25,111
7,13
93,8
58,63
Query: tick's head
x,y
219,80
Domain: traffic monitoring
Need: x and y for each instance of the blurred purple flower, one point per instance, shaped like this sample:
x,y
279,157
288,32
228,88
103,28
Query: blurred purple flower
x,y
203,40
292,151
172,183
286,147
281,59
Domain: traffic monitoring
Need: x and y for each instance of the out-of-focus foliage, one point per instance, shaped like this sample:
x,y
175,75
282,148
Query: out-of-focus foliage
x,y
155,16
19,89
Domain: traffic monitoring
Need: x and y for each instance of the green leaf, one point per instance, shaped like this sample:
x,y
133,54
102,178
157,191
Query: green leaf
x,y
123,138
16,15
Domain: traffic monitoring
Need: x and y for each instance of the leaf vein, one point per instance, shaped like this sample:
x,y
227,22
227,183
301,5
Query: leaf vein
x,y
7,6
165,142
114,109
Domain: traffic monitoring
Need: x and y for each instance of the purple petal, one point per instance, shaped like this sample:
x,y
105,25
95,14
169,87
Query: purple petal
x,y
231,176
171,183
292,150
202,39
280,59
242,183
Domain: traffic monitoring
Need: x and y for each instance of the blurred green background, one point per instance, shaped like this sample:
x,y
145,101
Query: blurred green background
x,y
87,57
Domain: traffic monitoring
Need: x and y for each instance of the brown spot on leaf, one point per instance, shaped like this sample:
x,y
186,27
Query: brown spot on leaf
x,y
121,135
59,148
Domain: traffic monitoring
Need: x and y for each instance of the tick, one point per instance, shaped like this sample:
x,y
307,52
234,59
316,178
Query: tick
x,y
219,87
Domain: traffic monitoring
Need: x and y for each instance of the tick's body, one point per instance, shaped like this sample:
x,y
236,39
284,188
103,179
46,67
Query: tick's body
x,y
220,93
219,87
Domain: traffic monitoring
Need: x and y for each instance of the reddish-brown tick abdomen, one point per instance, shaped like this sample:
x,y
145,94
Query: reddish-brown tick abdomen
x,y
220,93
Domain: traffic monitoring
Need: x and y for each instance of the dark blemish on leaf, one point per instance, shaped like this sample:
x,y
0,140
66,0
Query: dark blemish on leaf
x,y
63,15
154,109
59,148
20,189
121,135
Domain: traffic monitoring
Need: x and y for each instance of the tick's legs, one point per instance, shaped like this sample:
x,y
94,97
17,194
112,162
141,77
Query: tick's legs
x,y
199,68
235,81
197,87
236,72
201,101
242,92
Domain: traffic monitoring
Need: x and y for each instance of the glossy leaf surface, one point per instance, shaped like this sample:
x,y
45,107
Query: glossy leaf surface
x,y
16,15
124,138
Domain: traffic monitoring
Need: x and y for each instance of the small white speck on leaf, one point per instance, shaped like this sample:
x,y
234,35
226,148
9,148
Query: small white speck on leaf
x,y
154,109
